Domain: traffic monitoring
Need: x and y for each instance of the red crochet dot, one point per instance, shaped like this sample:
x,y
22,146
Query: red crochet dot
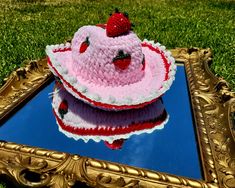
x,y
117,144
84,45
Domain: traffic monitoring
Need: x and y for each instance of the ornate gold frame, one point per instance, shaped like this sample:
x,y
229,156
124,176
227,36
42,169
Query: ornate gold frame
x,y
213,105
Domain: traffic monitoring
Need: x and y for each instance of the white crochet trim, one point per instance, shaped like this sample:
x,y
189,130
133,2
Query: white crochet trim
x,y
110,139
111,100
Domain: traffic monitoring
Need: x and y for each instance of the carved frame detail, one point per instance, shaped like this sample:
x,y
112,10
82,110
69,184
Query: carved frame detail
x,y
213,105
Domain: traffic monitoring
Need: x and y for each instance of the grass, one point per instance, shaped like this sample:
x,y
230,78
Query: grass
x,y
27,26
2,185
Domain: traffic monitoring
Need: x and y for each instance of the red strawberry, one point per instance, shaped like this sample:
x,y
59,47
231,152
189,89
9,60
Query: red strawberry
x,y
122,61
117,144
63,108
84,45
118,24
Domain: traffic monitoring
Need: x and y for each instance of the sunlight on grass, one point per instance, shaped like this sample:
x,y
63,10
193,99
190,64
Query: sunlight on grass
x,y
27,26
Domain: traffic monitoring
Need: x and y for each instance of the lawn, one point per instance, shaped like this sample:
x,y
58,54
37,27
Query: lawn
x,y
2,186
27,26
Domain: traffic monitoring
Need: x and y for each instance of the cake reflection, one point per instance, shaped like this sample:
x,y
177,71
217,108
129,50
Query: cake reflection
x,y
79,120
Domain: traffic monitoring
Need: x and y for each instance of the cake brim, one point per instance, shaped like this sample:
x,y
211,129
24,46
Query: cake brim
x,y
82,121
145,92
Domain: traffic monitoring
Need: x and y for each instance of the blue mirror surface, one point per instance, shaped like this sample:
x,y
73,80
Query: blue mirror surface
x,y
171,150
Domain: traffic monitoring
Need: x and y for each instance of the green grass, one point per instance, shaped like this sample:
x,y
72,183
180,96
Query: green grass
x,y
2,185
27,26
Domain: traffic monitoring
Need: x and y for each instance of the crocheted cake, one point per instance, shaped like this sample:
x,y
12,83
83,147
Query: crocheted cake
x,y
81,121
99,66
110,68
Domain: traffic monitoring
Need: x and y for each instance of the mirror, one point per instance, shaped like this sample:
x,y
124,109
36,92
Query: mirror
x,y
183,147
171,149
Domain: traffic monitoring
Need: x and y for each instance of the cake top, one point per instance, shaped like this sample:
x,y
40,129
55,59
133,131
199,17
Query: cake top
x,y
107,61
109,67
108,54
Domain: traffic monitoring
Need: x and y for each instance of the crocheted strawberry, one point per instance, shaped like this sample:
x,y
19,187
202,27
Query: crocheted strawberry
x,y
84,45
117,144
118,24
63,108
122,60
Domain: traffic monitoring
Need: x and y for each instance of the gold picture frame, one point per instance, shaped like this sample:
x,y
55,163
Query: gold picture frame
x,y
213,106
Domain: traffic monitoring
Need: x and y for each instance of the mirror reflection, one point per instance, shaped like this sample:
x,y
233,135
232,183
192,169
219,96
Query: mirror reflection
x,y
79,120
171,150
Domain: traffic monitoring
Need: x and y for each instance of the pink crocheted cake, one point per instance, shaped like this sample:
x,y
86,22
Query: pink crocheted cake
x,y
96,64
81,121
111,68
